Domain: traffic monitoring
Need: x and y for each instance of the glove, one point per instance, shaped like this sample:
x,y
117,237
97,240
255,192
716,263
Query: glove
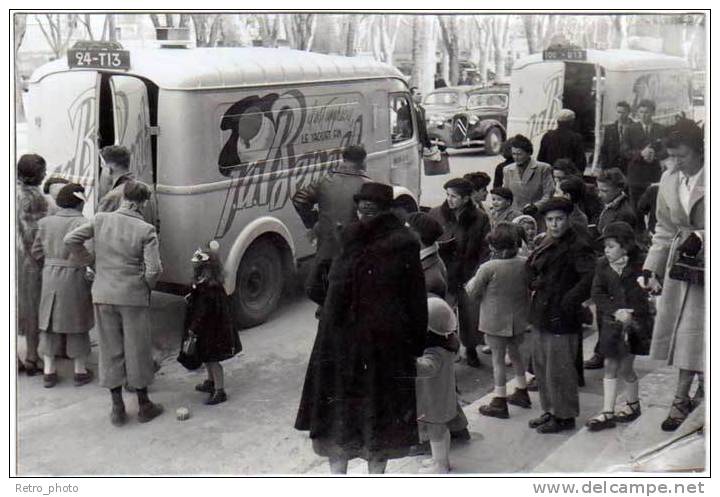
x,y
692,246
530,210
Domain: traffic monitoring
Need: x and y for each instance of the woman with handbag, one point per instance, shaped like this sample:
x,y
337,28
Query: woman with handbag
x,y
210,333
675,266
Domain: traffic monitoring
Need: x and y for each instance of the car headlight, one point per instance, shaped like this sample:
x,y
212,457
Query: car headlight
x,y
473,120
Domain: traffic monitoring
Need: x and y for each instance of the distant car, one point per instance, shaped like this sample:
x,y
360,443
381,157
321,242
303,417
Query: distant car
x,y
468,116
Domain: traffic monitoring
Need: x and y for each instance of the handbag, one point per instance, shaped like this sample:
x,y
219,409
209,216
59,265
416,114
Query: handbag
x,y
188,355
436,167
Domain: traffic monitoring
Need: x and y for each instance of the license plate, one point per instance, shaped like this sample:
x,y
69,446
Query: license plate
x,y
565,54
99,59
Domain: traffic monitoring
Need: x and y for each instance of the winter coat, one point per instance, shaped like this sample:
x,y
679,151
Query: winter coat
x,y
563,143
504,216
647,206
30,207
209,315
636,139
333,196
359,391
65,301
501,286
535,187
127,257
462,245
679,332
435,386
110,202
619,209
435,274
560,272
612,291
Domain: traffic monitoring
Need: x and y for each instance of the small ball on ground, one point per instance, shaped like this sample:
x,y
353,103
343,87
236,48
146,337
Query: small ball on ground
x,y
182,413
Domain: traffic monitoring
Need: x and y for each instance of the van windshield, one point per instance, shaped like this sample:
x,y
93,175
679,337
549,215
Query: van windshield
x,y
442,98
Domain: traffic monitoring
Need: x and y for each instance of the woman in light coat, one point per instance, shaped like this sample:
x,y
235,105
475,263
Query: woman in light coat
x,y
65,300
676,258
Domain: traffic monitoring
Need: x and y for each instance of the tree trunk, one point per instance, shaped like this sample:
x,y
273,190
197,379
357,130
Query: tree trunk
x,y
20,22
201,29
112,28
424,63
352,34
215,31
529,25
449,32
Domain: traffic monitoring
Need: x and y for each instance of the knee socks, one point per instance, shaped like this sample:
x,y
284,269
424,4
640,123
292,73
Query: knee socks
x,y
609,394
142,396
117,398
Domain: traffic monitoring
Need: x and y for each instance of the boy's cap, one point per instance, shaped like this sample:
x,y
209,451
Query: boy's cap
x,y
441,318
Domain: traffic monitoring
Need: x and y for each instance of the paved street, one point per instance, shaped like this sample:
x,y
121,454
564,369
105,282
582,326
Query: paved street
x,y
251,433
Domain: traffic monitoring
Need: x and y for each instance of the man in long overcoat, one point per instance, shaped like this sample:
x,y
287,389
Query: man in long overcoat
x,y
127,266
358,399
563,142
677,258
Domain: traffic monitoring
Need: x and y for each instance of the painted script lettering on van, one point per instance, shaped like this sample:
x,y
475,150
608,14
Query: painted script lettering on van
x,y
81,120
666,89
279,142
544,120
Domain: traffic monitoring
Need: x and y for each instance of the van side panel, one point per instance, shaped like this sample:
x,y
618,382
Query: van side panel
x,y
228,157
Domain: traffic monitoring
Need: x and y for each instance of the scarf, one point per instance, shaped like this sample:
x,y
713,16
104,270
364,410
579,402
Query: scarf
x,y
619,264
429,250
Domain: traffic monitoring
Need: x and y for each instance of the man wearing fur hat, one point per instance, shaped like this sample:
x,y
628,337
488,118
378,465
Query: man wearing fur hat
x,y
463,248
563,142
358,399
127,266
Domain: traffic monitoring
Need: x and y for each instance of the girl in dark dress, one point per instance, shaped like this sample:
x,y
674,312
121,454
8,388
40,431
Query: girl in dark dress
x,y
627,322
209,316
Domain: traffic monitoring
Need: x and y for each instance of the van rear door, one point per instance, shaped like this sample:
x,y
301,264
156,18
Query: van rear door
x,y
62,119
131,116
536,97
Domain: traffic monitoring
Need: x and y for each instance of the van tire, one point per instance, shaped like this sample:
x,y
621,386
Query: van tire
x,y
493,141
259,285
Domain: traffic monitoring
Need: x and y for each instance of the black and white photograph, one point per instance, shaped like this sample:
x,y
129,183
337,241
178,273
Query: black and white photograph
x,y
417,243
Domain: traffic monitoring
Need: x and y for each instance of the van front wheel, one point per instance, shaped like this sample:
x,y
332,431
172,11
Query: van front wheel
x,y
259,285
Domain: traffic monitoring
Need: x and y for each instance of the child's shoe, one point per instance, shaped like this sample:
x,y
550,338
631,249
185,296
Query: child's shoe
x,y
602,421
497,408
520,398
217,397
431,467
629,413
207,386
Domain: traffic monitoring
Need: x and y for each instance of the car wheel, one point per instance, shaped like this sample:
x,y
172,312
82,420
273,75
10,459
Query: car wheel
x,y
493,141
259,285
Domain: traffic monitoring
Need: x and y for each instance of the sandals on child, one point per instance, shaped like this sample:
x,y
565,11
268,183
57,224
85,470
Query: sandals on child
x,y
602,421
630,412
682,406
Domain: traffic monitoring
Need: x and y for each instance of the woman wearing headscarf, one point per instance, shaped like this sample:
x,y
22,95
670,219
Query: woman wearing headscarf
x,y
30,207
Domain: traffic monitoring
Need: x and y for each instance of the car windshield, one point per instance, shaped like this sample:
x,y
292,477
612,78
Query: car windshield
x,y
442,98
492,100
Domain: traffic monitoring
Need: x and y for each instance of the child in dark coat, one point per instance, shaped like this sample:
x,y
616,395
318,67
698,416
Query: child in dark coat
x,y
435,385
627,322
209,316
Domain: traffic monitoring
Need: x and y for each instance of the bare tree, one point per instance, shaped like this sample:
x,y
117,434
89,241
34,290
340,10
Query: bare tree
x,y
450,35
423,53
539,29
500,32
384,35
301,30
483,33
618,33
57,30
208,28
352,34
20,22
268,28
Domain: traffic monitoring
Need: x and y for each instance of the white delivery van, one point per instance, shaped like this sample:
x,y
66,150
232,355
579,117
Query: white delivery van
x,y
591,82
225,136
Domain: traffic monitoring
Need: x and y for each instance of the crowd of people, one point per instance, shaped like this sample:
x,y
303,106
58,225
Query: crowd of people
x,y
519,275
401,295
